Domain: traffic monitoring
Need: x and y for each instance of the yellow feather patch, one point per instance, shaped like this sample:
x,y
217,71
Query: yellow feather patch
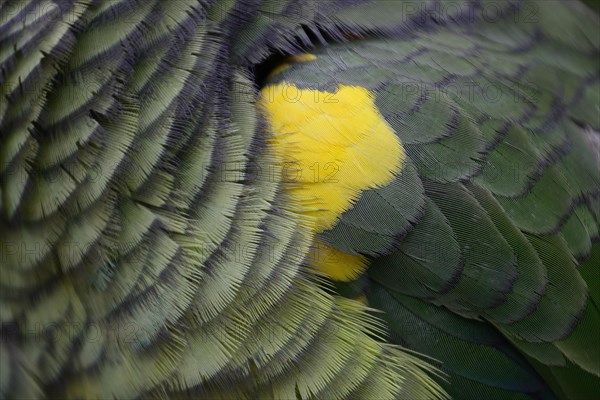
x,y
292,59
332,147
336,264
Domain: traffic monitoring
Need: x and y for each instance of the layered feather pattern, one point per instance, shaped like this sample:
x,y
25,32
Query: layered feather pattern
x,y
498,119
149,247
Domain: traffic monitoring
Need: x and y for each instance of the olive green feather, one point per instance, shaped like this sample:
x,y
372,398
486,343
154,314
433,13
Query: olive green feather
x,y
148,251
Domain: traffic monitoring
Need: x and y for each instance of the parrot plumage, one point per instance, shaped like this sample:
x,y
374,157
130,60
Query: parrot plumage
x,y
280,199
